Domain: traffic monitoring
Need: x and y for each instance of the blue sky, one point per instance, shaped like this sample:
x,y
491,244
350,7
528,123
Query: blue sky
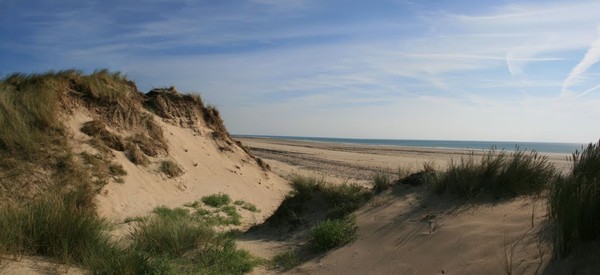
x,y
465,70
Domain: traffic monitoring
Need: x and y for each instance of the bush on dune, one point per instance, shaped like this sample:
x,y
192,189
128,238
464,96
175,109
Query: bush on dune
x,y
498,174
60,227
574,201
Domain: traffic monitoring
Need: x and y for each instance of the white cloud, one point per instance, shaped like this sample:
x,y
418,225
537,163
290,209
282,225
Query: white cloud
x,y
592,56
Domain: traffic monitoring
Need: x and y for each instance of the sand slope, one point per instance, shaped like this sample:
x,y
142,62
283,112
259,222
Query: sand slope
x,y
395,238
394,229
207,170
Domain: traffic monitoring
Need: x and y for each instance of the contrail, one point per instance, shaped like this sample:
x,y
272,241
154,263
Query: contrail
x,y
589,90
592,56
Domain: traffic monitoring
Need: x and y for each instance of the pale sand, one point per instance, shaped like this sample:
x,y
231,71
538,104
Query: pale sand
x,y
394,233
207,170
358,162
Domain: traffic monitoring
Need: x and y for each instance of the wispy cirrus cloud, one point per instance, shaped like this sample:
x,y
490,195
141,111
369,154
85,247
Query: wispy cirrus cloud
x,y
428,67
591,57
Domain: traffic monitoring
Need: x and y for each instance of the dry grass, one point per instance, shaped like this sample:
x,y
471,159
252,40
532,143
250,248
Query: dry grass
x,y
170,168
498,174
575,201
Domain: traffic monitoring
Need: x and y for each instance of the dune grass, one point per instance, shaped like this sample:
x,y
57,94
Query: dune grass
x,y
216,200
574,201
182,242
168,242
286,260
28,114
381,181
340,200
332,233
170,168
170,233
47,191
499,174
59,227
246,205
324,231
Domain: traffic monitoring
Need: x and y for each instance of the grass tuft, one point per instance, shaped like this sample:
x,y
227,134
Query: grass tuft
x,y
286,260
333,233
498,174
246,205
170,233
170,168
381,181
574,201
216,200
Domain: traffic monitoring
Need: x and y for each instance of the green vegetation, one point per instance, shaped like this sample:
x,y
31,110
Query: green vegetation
x,y
225,212
574,201
60,227
246,205
170,168
185,242
381,181
170,233
333,233
338,200
47,190
170,241
498,174
216,200
233,216
286,260
324,211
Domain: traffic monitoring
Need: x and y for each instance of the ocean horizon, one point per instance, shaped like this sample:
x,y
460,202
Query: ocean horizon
x,y
542,147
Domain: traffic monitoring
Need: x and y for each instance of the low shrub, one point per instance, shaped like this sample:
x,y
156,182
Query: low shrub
x,y
333,233
216,200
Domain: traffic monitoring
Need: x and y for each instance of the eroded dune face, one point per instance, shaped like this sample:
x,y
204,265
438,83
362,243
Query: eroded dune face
x,y
99,134
179,130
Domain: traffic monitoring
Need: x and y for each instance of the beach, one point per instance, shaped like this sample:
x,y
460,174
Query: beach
x,y
357,162
393,227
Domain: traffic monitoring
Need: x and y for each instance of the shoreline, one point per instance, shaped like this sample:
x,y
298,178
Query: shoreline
x,y
475,145
357,162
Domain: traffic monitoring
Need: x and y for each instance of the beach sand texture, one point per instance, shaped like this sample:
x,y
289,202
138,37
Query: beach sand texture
x,y
410,230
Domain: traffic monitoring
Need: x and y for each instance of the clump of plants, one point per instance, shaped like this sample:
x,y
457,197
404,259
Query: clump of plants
x,y
575,201
331,229
332,233
246,205
381,181
498,174
216,200
170,168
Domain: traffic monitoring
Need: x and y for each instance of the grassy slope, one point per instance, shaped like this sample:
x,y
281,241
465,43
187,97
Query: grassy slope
x,y
48,191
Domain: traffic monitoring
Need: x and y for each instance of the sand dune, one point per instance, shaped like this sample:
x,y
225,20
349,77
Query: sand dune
x,y
207,170
409,230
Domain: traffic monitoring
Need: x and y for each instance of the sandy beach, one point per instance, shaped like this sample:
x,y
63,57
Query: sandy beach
x,y
393,229
355,162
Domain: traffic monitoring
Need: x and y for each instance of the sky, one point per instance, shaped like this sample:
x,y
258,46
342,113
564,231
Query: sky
x,y
392,69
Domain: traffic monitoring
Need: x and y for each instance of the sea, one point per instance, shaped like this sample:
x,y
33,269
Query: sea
x,y
542,147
